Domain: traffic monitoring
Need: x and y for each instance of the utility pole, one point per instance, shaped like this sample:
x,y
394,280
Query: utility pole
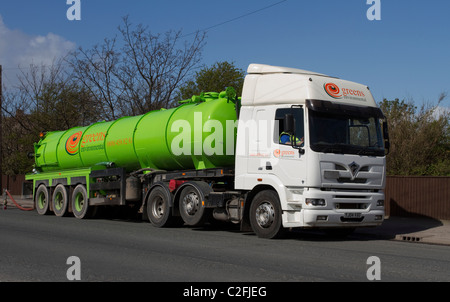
x,y
1,130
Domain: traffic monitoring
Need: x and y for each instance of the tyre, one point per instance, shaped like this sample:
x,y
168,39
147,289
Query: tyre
x,y
60,201
158,208
265,215
192,209
80,203
42,201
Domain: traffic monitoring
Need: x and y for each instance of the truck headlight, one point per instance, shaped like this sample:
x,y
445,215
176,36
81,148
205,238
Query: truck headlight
x,y
315,202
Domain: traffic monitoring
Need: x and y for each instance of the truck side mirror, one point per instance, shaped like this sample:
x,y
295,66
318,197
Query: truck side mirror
x,y
387,144
289,123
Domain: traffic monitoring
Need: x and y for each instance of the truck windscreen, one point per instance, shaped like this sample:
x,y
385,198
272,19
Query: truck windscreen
x,y
345,129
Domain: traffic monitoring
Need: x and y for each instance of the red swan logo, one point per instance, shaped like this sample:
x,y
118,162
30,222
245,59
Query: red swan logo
x,y
333,90
73,142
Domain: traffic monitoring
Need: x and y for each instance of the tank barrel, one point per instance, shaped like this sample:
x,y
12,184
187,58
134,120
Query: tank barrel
x,y
162,139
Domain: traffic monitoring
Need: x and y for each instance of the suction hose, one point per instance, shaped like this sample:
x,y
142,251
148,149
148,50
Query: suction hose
x,y
17,205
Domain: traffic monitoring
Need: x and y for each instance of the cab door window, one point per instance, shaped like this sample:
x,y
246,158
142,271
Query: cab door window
x,y
283,136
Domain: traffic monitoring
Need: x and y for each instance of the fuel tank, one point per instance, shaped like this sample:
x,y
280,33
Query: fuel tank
x,y
199,134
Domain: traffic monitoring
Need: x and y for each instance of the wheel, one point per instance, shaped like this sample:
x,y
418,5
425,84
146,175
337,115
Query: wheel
x,y
80,203
60,201
158,208
191,205
41,200
265,215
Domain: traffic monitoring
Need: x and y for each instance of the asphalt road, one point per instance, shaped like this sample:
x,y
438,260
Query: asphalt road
x,y
36,248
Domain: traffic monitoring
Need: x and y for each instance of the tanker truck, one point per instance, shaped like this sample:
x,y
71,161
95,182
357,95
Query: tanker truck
x,y
298,149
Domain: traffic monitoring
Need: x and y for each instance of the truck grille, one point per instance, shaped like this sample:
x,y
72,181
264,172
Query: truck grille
x,y
351,206
343,219
353,181
336,174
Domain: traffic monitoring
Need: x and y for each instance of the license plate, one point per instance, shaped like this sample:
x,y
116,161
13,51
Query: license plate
x,y
352,215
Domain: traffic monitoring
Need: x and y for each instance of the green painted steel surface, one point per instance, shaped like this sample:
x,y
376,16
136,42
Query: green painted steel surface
x,y
194,135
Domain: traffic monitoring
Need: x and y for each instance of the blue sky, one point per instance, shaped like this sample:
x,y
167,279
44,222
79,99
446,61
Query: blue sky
x,y
405,55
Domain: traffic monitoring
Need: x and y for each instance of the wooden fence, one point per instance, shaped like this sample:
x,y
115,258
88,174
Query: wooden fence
x,y
418,196
406,196
14,184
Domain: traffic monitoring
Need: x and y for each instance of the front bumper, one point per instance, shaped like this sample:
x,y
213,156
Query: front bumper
x,y
341,209
330,218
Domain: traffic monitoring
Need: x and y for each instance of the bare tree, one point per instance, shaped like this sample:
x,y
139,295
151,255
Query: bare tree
x,y
143,76
102,83
46,99
156,65
97,70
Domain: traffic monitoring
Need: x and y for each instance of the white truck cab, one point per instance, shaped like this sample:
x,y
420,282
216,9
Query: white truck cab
x,y
318,141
